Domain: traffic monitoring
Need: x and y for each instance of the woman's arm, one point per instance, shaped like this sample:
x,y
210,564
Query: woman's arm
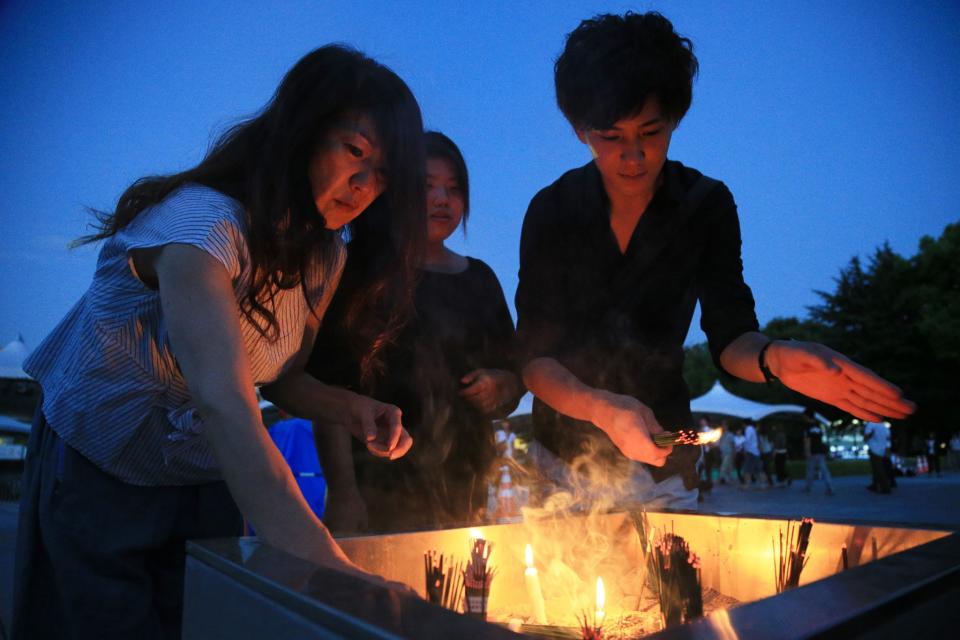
x,y
345,511
818,372
627,421
375,423
202,317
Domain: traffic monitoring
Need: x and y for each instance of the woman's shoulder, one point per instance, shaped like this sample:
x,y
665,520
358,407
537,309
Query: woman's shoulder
x,y
197,200
483,274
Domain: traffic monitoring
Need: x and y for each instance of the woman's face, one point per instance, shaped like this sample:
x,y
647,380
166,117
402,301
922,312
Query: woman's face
x,y
346,172
444,200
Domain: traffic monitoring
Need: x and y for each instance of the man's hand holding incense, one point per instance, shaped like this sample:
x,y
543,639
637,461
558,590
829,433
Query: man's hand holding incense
x,y
630,424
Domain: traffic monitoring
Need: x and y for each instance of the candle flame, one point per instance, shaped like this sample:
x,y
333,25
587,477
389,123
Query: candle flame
x,y
528,556
706,437
601,599
475,534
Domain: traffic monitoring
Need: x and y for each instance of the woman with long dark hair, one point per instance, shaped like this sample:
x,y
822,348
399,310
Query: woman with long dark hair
x,y
451,371
210,282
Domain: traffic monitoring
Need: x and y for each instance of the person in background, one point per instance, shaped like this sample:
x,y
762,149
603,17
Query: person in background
x,y
955,451
933,453
615,255
738,455
877,437
505,437
815,450
209,282
728,449
706,460
451,371
751,454
780,457
766,453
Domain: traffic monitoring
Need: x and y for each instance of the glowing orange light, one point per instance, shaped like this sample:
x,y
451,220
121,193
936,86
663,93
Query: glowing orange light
x,y
601,600
706,437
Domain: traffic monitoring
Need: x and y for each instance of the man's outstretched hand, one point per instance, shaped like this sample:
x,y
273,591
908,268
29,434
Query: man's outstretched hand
x,y
821,373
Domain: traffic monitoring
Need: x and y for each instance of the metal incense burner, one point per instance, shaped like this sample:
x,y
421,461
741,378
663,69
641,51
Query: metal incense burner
x,y
900,581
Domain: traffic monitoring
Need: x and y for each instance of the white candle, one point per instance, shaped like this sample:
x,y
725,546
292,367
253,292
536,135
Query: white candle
x,y
533,588
601,600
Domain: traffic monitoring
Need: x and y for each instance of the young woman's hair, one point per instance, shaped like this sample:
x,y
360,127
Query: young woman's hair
x,y
263,163
442,147
612,64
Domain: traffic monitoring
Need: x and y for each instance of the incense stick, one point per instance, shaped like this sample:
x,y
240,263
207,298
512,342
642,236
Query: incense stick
x,y
477,577
791,557
670,438
678,579
444,588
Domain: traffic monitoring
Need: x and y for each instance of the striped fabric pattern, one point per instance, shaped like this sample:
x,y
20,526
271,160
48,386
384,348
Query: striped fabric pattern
x,y
111,385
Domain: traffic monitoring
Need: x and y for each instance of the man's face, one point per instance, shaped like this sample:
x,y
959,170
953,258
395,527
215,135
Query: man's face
x,y
630,155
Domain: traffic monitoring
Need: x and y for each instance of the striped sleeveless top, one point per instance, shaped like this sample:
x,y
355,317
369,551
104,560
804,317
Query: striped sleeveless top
x,y
112,389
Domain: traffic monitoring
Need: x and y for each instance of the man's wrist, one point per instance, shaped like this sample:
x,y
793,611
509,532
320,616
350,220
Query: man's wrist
x,y
769,362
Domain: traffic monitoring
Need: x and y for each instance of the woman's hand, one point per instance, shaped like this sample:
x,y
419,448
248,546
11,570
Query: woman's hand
x,y
377,424
488,389
823,374
629,424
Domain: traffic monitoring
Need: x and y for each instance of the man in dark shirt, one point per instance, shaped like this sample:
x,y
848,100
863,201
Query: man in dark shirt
x,y
815,450
614,256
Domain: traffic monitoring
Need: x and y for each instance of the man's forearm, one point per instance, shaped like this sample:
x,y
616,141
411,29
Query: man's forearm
x,y
740,357
555,385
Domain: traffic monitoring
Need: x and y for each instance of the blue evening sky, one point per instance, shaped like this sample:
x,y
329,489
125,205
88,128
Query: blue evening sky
x,y
834,123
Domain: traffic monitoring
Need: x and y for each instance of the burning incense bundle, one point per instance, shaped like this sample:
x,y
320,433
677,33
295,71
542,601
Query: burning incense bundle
x,y
477,578
791,557
686,436
678,580
443,588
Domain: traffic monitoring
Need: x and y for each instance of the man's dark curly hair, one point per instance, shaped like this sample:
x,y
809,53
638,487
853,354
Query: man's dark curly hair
x,y
612,64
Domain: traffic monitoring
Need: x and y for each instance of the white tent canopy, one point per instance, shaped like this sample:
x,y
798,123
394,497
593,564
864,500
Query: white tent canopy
x,y
11,359
720,401
525,407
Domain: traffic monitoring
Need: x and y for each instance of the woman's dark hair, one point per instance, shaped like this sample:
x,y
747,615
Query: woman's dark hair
x,y
442,147
263,163
612,64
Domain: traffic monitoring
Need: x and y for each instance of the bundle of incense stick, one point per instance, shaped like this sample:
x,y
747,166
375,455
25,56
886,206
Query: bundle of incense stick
x,y
590,627
791,557
670,438
443,588
477,578
678,580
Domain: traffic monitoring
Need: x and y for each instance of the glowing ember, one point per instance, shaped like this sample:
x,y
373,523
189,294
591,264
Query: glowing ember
x,y
686,436
713,435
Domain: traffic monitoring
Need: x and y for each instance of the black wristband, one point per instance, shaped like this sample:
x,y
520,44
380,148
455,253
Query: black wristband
x,y
764,369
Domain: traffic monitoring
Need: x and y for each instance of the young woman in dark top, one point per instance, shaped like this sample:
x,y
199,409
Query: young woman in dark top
x,y
450,372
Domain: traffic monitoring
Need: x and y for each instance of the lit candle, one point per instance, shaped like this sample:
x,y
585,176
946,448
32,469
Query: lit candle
x,y
533,588
601,600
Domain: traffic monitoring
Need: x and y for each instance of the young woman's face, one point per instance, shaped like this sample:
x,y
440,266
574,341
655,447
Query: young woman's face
x,y
444,200
630,155
346,172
